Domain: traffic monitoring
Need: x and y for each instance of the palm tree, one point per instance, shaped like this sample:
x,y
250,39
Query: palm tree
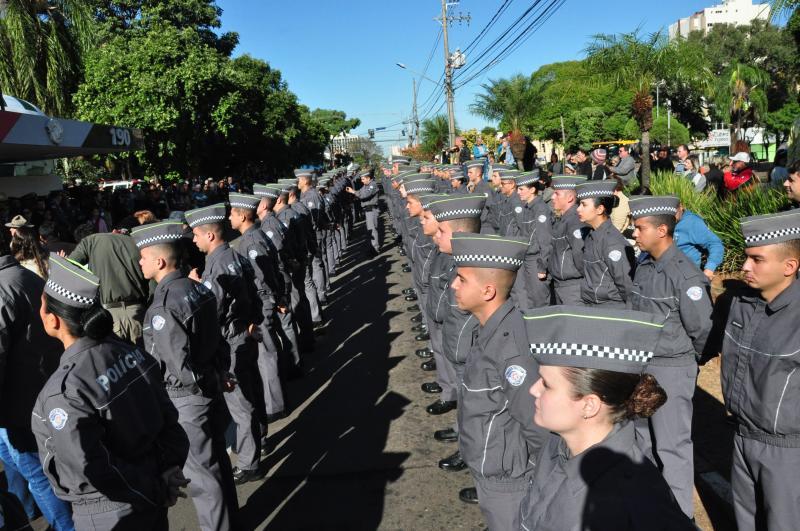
x,y
510,102
634,62
435,133
780,7
740,97
41,46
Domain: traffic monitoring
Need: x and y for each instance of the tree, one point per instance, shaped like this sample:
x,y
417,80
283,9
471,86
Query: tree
x,y
435,134
665,131
41,47
509,101
781,121
334,123
634,62
739,97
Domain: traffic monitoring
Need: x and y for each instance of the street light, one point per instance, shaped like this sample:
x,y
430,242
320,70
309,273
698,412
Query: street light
x,y
423,76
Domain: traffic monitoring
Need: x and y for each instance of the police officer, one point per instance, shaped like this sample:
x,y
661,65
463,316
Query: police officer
x,y
181,332
314,280
607,255
224,275
507,201
368,197
566,260
453,214
477,185
458,179
311,198
108,436
533,222
591,472
760,361
497,439
271,293
671,286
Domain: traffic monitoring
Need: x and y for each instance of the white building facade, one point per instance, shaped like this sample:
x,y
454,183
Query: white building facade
x,y
736,12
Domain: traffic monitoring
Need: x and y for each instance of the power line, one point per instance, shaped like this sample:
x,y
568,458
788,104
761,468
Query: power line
x,y
489,25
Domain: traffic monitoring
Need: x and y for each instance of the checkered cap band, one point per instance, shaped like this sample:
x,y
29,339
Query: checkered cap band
x,y
72,298
591,351
487,259
243,204
525,180
654,211
788,233
457,213
262,190
567,182
594,193
196,222
156,239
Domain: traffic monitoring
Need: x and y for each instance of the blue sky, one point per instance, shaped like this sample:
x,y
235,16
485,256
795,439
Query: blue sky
x,y
341,54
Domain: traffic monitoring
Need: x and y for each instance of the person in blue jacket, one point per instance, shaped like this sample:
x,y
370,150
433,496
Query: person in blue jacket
x,y
694,239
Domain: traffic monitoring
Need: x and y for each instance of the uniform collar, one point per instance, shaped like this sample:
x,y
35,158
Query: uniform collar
x,y
668,256
173,275
486,331
785,297
81,345
8,261
250,229
583,469
216,253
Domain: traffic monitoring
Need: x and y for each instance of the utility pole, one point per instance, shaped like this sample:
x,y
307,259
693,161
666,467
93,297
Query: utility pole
x,y
415,117
448,70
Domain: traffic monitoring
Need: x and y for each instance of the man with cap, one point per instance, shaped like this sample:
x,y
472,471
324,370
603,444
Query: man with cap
x,y
740,175
297,261
453,215
508,201
590,472
285,263
368,197
272,296
311,198
314,280
432,278
181,332
477,185
123,290
566,259
27,355
497,439
533,222
458,180
669,285
607,256
599,172
108,435
224,275
760,361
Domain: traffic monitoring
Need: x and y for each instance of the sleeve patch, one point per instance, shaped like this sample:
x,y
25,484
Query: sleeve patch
x,y
615,255
516,375
695,293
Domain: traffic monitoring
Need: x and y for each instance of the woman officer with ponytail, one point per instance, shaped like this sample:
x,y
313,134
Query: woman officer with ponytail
x,y
591,473
607,256
108,436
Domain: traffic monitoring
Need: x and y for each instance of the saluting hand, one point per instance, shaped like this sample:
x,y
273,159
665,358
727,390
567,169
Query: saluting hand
x,y
194,275
175,481
709,274
62,253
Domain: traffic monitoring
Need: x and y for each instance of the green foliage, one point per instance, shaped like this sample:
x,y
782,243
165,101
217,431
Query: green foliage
x,y
335,122
665,132
509,101
434,133
780,122
722,217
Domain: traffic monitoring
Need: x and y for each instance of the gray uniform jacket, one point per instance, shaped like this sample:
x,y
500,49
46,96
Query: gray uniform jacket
x,y
306,223
486,216
24,346
534,222
607,264
675,289
105,426
610,486
457,325
294,243
312,199
440,266
497,437
181,332
507,209
760,361
274,229
566,259
423,253
225,276
368,195
255,246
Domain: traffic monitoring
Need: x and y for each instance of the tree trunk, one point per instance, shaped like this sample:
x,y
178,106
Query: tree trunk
x,y
645,157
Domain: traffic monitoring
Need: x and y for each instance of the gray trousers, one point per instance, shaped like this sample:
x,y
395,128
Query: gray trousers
x,y
289,335
311,290
458,369
105,514
301,306
671,427
500,504
445,374
318,271
568,292
208,466
518,294
241,402
268,349
331,245
538,291
372,227
766,493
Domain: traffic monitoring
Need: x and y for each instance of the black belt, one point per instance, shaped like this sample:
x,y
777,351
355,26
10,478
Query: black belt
x,y
369,208
121,304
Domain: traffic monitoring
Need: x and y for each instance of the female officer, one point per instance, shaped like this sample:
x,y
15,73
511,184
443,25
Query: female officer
x,y
591,473
108,436
607,255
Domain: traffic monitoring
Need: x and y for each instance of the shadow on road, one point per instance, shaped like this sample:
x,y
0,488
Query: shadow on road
x,y
330,468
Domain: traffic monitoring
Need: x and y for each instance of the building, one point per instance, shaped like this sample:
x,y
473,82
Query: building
x,y
736,12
